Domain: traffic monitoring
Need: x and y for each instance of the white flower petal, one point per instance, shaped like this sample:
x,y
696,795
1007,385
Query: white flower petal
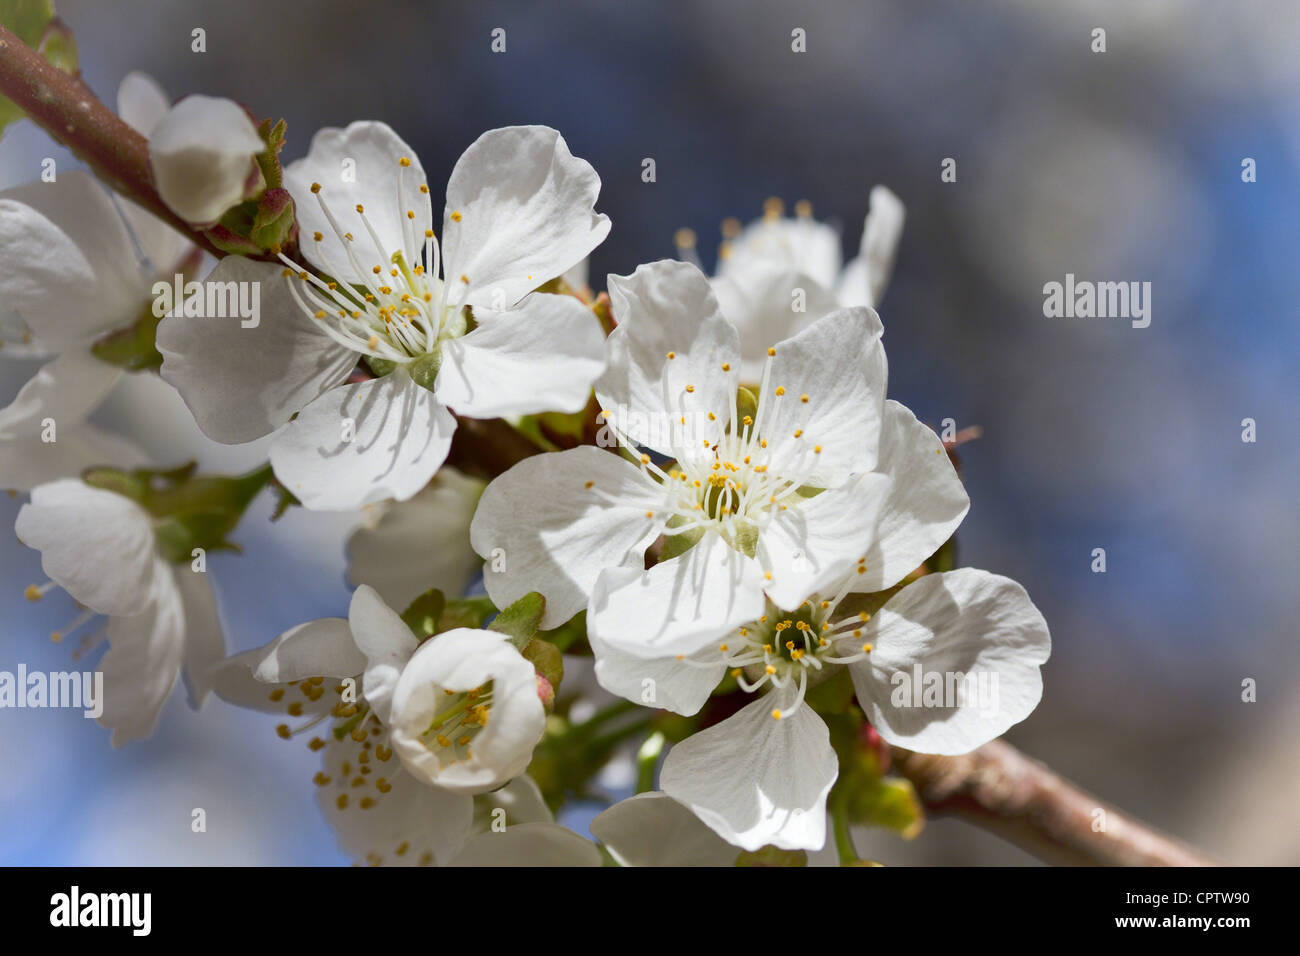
x,y
67,263
521,799
800,244
359,165
756,780
811,546
142,663
202,156
542,355
142,103
96,545
668,307
412,824
520,212
680,606
462,660
420,543
839,363
242,383
357,444
383,637
541,528
681,686
320,648
26,461
866,277
65,389
963,622
759,301
205,647
924,504
653,829
529,844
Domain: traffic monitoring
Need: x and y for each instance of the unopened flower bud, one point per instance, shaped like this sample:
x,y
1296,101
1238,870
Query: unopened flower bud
x,y
203,158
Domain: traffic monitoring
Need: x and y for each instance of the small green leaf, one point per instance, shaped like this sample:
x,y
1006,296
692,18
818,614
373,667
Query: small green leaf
x,y
34,23
471,612
519,621
424,613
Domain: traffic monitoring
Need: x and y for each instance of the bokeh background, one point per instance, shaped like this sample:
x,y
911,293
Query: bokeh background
x,y
1123,165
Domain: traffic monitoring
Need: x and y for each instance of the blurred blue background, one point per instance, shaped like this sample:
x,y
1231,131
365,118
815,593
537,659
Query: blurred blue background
x,y
1123,165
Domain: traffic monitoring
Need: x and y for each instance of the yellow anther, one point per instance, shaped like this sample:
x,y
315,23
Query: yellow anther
x,y
776,715
456,217
404,161
684,238
804,398
318,236
780,390
315,187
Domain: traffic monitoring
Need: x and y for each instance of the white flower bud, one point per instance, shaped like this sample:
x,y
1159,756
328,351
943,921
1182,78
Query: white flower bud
x,y
465,712
202,155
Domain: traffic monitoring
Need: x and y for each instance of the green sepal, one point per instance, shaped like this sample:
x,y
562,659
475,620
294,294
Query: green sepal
x,y
275,222
546,660
520,620
472,612
424,614
746,404
380,366
889,802
131,348
424,369
180,534
772,856
677,544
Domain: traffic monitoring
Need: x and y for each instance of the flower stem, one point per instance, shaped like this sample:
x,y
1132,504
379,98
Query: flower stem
x,y
647,758
839,807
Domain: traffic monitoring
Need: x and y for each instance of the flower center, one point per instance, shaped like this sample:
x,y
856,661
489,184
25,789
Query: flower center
x,y
400,311
792,648
734,484
450,735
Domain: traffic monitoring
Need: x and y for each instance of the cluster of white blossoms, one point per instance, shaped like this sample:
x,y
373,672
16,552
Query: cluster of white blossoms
x,y
717,505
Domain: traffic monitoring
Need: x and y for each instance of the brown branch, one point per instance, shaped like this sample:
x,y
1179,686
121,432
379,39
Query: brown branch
x,y
484,448
1001,790
65,108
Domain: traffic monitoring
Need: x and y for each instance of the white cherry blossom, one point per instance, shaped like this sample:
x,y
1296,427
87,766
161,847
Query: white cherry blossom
x,y
444,326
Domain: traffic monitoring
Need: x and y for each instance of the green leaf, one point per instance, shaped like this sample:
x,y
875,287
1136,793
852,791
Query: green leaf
x,y
519,621
424,613
34,23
